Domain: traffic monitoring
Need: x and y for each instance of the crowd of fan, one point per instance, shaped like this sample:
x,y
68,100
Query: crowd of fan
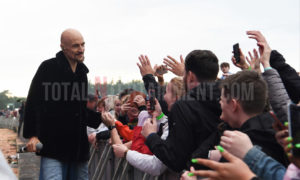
x,y
204,126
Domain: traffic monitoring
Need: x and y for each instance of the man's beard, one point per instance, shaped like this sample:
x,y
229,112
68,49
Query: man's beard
x,y
79,60
185,84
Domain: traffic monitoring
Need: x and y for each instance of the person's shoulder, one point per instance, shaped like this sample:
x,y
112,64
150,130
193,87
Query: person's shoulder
x,y
48,62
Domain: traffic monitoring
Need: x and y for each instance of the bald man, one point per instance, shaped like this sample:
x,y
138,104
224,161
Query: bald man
x,y
56,114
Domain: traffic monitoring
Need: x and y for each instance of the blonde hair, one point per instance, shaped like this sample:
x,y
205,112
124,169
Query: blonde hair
x,y
110,102
177,87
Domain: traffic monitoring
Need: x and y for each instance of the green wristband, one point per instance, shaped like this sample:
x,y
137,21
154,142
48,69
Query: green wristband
x,y
160,116
249,68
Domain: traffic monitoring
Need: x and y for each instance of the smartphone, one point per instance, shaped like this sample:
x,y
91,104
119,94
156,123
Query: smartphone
x,y
236,52
162,69
151,95
294,127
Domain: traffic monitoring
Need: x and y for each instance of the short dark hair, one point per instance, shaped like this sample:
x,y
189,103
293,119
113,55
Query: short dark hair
x,y
224,64
125,92
203,63
92,98
249,88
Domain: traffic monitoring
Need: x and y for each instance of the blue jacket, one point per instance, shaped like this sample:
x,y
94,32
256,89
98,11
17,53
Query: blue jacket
x,y
263,165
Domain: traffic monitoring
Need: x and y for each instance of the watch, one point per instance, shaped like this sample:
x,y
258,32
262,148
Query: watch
x,y
111,127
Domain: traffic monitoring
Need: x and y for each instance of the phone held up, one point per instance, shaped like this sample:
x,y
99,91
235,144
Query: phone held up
x,y
151,98
294,127
236,52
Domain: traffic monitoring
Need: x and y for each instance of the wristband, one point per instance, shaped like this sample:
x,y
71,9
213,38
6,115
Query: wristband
x,y
160,116
111,127
249,68
268,68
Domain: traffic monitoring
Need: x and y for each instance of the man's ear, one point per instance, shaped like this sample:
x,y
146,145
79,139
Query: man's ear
x,y
235,105
62,47
192,77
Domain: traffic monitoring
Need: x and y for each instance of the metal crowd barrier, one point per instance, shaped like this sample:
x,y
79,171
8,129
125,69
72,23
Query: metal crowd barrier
x,y
103,165
9,123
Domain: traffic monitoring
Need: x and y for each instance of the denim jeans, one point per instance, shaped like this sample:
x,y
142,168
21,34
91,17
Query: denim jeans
x,y
52,169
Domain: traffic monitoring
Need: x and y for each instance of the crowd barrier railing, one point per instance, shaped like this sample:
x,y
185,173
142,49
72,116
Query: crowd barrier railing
x,y
103,165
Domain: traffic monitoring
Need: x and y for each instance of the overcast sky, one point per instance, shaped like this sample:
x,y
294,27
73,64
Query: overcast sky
x,y
118,31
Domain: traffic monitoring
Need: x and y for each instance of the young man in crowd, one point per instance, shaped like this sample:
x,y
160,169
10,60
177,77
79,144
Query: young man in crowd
x,y
243,100
192,118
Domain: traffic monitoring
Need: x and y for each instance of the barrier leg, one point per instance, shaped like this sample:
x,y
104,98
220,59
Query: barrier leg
x,y
105,162
118,168
100,161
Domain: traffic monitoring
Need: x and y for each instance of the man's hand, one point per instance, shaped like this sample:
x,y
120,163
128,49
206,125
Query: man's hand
x,y
236,142
242,64
31,145
145,66
150,126
119,150
139,100
235,168
254,61
92,139
174,66
160,70
107,119
264,48
265,55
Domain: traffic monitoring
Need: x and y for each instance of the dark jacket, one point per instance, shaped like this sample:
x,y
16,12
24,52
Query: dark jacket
x,y
277,93
260,131
289,76
160,91
56,110
191,120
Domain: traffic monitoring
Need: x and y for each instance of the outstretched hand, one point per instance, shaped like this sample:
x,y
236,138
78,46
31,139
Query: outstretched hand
x,y
174,66
145,66
107,119
242,64
263,47
235,168
254,61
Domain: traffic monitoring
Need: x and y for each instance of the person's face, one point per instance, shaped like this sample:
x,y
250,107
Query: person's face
x,y
225,116
100,108
169,97
133,113
117,106
74,49
91,105
225,69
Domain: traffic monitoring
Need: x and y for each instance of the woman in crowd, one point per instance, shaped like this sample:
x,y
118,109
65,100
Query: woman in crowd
x,y
150,163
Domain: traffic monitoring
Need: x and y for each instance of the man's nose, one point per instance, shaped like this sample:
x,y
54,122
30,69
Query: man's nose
x,y
81,49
